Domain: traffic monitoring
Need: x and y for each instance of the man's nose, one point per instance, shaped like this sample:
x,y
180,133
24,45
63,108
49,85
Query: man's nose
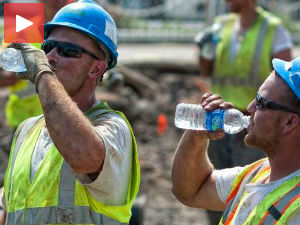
x,y
52,55
251,107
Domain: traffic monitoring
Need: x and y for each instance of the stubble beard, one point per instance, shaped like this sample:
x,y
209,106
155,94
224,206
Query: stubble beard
x,y
265,144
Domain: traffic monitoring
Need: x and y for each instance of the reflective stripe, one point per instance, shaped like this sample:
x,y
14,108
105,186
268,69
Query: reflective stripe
x,y
275,211
59,215
254,71
66,186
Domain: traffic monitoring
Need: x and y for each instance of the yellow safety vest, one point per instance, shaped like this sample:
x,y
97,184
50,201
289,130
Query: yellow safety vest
x,y
54,196
275,208
238,81
23,101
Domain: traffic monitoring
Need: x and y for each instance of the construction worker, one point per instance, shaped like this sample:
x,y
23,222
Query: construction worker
x,y
23,102
235,58
267,191
77,163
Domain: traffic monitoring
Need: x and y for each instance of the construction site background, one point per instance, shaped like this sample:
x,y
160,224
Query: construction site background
x,y
158,69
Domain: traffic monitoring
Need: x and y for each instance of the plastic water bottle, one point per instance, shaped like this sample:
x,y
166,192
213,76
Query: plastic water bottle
x,y
11,60
193,117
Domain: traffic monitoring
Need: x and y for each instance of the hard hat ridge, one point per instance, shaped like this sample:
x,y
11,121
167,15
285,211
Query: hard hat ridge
x,y
90,18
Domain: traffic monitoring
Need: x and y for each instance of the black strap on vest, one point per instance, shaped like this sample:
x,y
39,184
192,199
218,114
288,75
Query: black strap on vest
x,y
274,212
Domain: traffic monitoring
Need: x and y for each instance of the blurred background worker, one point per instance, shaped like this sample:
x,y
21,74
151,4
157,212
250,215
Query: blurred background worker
x,y
235,54
23,102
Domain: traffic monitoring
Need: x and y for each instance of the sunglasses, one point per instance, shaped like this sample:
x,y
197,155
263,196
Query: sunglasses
x,y
263,103
66,49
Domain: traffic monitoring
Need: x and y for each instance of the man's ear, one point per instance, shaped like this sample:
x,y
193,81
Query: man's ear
x,y
98,68
291,122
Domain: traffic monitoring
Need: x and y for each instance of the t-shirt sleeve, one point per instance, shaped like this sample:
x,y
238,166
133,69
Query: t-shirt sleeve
x,y
282,40
224,180
111,185
2,199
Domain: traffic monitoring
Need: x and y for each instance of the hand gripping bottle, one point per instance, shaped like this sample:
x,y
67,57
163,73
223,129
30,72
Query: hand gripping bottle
x,y
194,117
11,60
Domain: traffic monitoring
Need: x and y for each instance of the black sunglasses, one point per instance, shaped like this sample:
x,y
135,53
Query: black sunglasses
x,y
262,103
66,49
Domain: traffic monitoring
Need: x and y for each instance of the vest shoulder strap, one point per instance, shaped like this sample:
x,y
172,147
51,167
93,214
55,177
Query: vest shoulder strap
x,y
273,20
222,19
238,188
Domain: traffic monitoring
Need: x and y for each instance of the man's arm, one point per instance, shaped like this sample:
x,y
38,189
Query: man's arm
x,y
205,67
73,134
3,218
285,55
192,173
7,78
193,183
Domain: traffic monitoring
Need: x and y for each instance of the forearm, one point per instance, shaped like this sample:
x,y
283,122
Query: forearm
x,y
7,78
2,218
205,67
191,166
72,133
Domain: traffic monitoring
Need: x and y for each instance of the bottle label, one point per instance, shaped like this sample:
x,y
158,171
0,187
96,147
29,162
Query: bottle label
x,y
214,120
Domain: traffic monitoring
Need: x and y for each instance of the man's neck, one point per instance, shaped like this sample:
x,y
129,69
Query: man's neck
x,y
284,163
84,103
247,18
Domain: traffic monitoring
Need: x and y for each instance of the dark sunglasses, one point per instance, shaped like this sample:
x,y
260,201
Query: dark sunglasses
x,y
262,103
66,49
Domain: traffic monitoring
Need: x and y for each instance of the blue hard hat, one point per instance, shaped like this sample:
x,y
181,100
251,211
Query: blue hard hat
x,y
90,18
290,73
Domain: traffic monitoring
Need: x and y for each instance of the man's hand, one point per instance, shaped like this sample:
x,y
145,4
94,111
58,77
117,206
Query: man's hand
x,y
35,60
212,102
2,217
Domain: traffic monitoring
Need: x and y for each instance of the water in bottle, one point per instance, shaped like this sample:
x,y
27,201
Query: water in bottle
x,y
11,60
193,116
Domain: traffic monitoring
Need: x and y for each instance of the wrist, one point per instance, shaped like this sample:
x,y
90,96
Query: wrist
x,y
41,75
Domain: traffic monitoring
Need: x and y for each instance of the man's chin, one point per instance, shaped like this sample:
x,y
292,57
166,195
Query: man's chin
x,y
249,141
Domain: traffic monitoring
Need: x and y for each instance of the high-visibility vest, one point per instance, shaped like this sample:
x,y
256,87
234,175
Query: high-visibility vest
x,y
238,81
23,101
275,208
54,196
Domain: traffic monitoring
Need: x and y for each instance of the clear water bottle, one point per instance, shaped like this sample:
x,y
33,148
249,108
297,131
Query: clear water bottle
x,y
193,117
11,60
